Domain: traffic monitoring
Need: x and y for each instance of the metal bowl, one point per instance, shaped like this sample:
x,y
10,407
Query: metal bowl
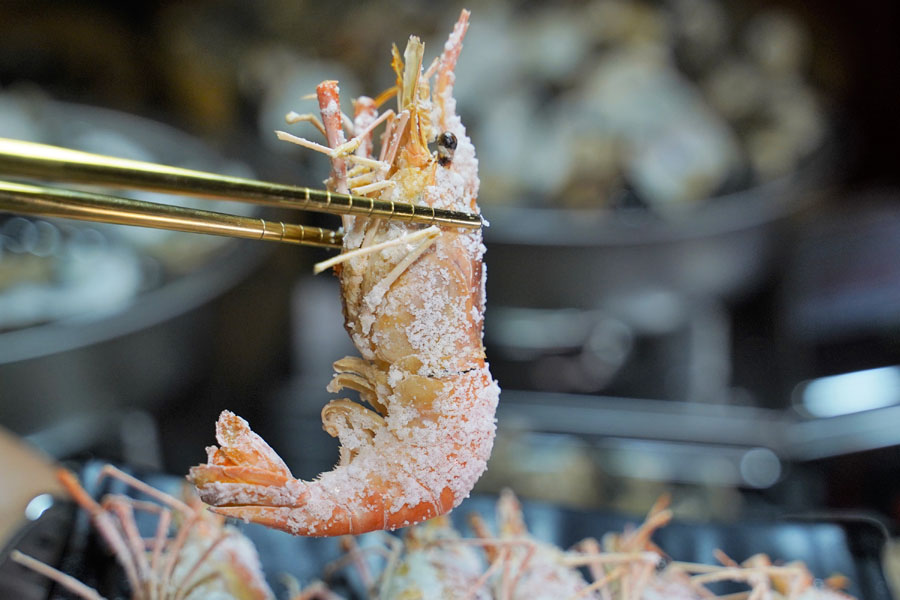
x,y
153,344
587,283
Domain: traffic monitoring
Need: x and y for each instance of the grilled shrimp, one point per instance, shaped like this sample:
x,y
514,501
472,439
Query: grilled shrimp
x,y
525,567
413,302
625,566
435,561
204,559
434,564
688,581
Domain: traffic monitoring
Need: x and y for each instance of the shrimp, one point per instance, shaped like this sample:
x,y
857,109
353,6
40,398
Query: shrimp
x,y
205,558
525,567
413,303
792,581
434,561
434,564
429,561
687,581
625,566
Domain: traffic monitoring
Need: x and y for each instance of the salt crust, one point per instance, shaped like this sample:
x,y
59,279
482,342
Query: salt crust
x,y
411,455
331,109
422,455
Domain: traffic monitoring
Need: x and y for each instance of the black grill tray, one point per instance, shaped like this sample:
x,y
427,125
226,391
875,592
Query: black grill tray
x,y
852,548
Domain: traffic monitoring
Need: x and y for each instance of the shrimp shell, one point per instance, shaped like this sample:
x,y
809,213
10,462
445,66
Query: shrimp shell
x,y
414,312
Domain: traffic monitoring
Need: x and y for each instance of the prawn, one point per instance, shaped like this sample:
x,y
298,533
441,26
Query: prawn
x,y
623,566
434,561
434,564
430,561
413,303
525,567
792,581
204,559
687,581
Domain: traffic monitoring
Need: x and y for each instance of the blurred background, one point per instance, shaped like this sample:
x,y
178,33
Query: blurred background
x,y
692,253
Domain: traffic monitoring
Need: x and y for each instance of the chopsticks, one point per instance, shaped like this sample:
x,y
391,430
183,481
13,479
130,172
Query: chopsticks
x,y
52,163
30,199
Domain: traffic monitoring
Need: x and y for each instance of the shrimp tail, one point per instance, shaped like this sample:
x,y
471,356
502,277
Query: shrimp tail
x,y
369,489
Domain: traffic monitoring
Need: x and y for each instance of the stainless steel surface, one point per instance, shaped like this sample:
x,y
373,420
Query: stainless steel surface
x,y
617,279
548,258
701,426
144,355
156,345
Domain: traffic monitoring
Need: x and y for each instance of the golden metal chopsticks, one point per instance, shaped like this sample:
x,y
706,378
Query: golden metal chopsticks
x,y
28,159
30,199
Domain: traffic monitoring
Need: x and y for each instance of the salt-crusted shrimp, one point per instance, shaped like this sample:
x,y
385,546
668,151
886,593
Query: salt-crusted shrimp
x,y
434,561
625,566
525,567
205,559
766,581
688,581
435,564
413,304
430,561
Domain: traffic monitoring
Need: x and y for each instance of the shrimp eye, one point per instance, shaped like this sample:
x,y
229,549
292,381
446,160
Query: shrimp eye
x,y
447,140
446,145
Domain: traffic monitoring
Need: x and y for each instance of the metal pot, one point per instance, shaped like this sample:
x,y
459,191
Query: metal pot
x,y
161,341
586,283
